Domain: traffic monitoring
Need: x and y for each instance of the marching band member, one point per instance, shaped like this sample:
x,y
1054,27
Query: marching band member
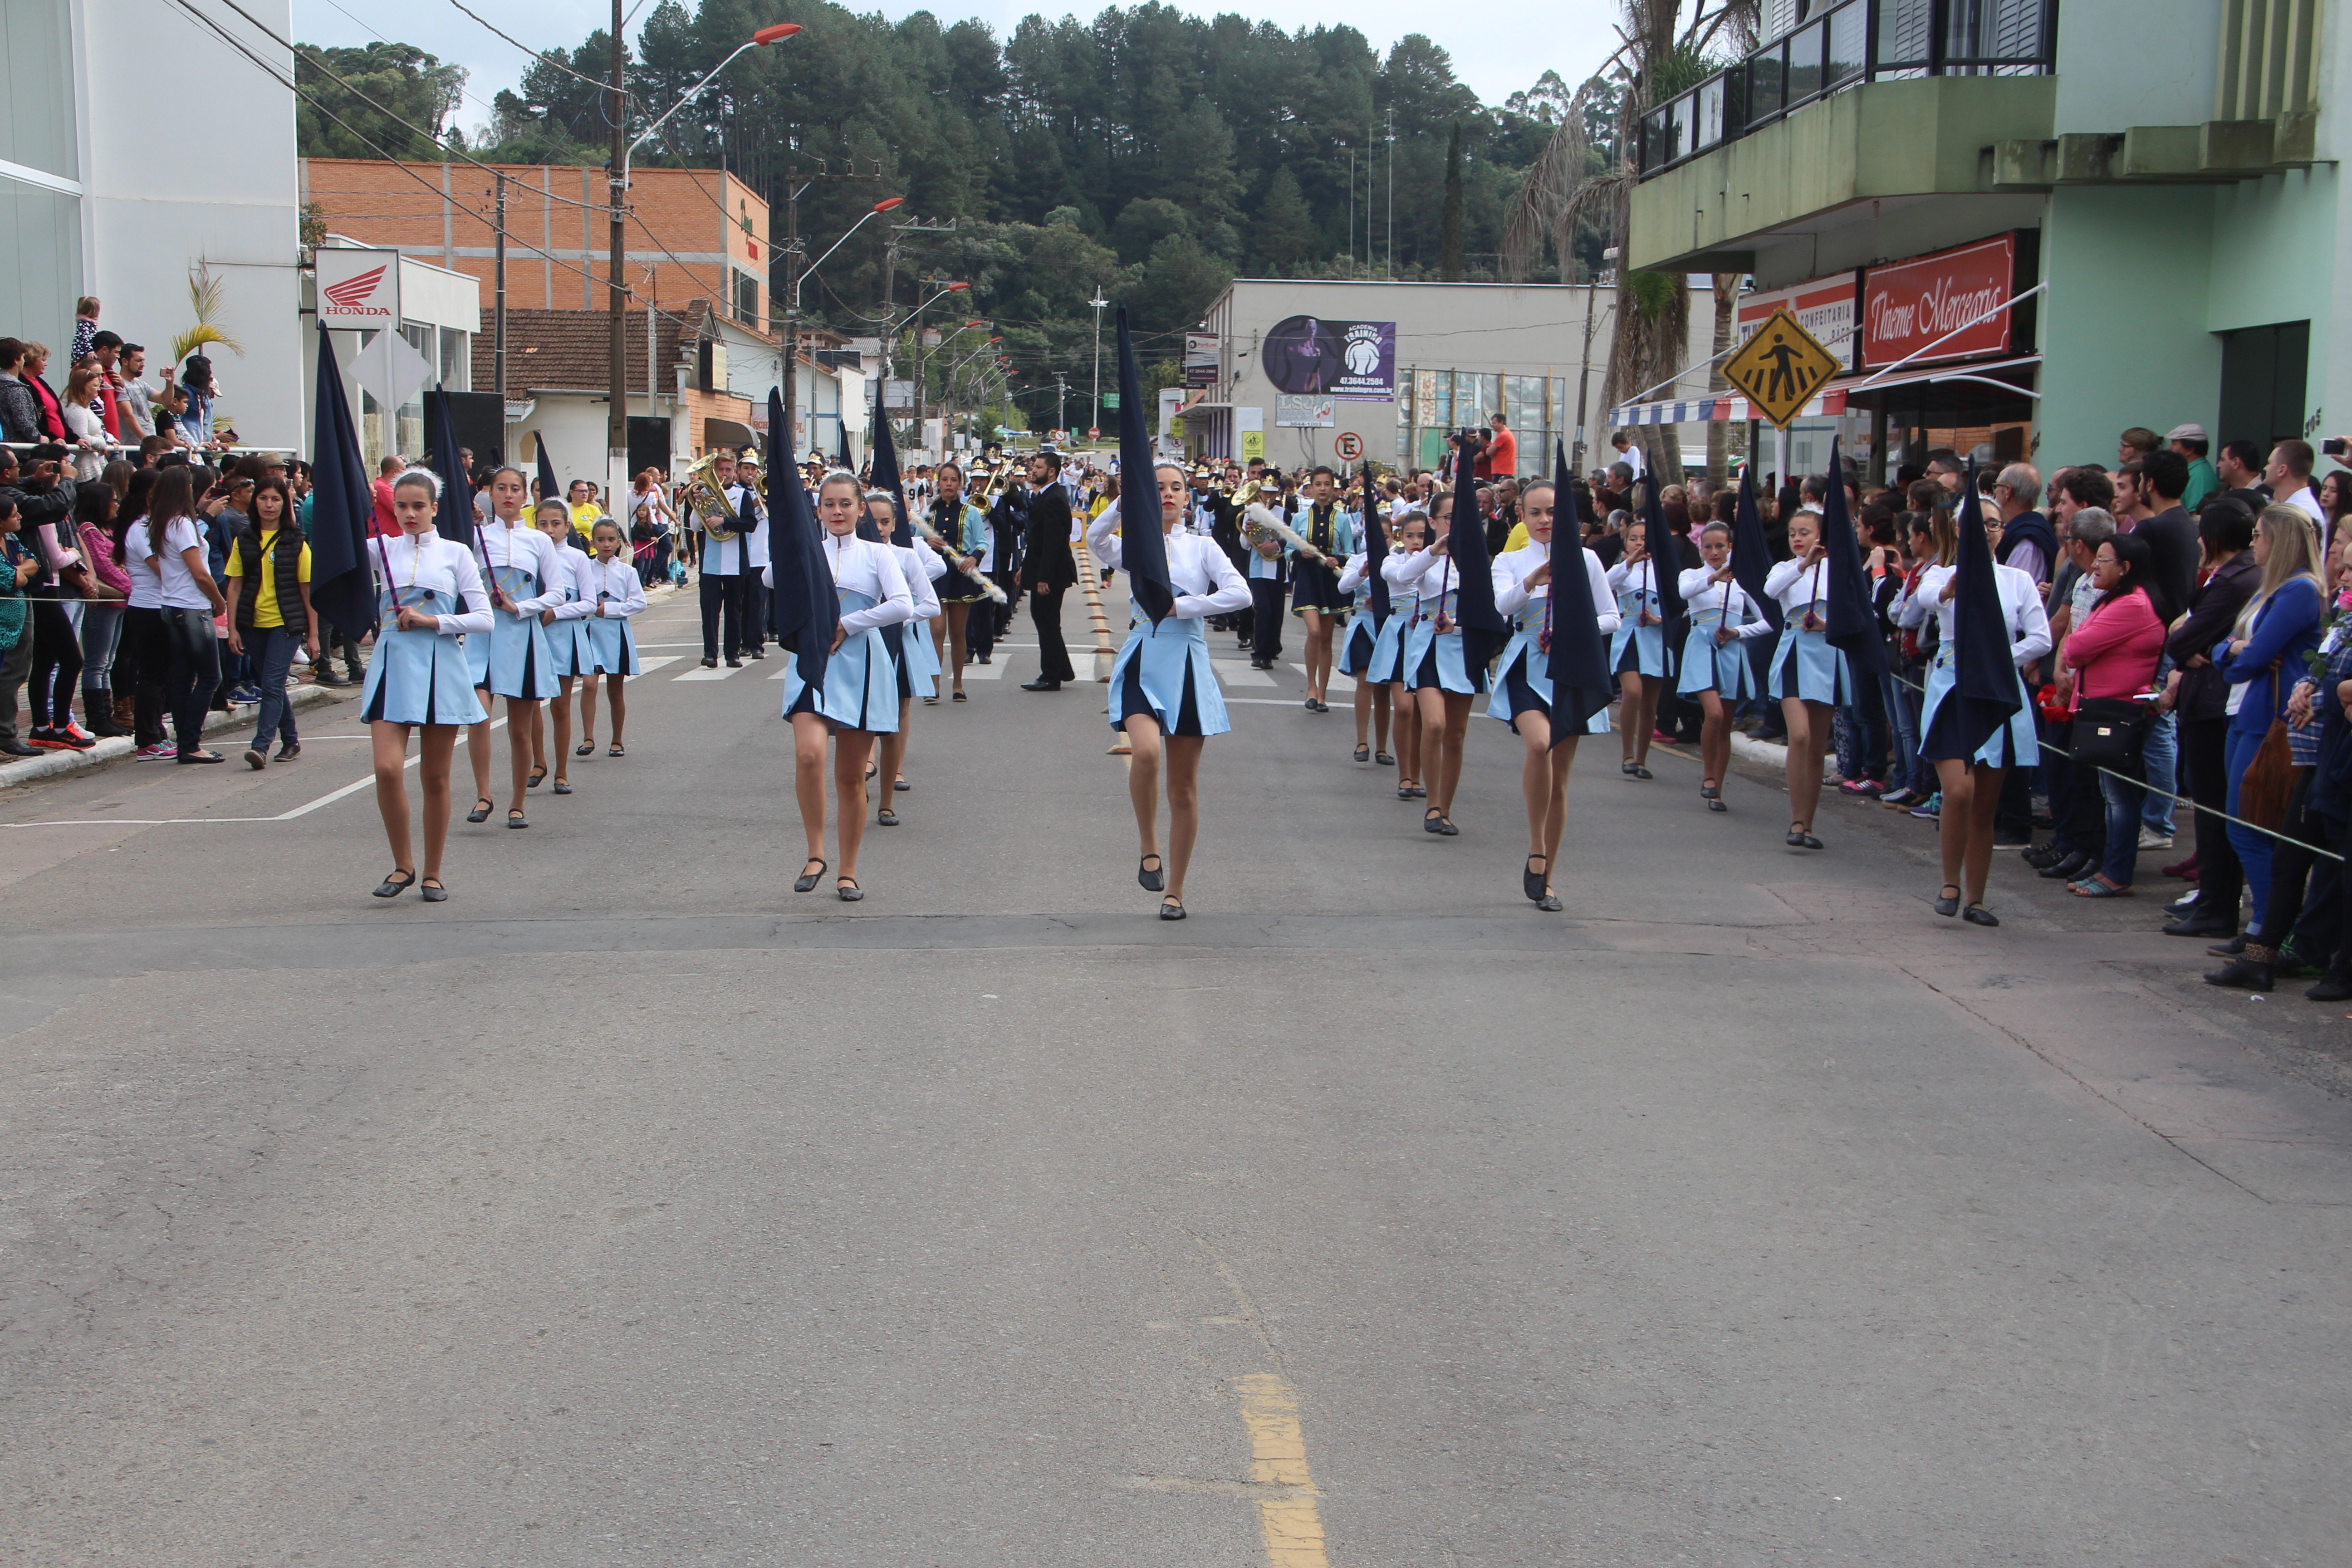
x,y
1387,667
570,654
512,659
722,569
1716,669
1163,693
420,675
744,495
1315,593
916,656
1434,667
964,527
1373,704
1809,678
1638,652
860,699
1523,688
614,594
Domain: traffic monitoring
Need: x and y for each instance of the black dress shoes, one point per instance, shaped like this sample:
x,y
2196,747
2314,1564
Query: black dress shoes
x,y
1041,684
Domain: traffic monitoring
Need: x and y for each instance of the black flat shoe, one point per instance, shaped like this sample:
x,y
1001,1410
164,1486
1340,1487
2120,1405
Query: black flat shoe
x,y
1949,907
1532,882
1642,773
2334,986
1364,754
1383,758
515,818
807,878
1432,820
888,818
616,750
399,882
1445,827
1625,768
1716,805
433,893
1795,838
587,748
711,664
847,890
1550,903
2243,973
537,777
481,811
1170,910
1808,841
1152,878
1041,686
562,786
1421,792
959,697
2195,924
2230,949
901,786
1709,790
1310,705
2068,869
1977,915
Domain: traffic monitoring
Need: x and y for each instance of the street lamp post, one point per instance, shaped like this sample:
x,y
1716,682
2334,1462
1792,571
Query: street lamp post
x,y
1095,423
617,425
798,275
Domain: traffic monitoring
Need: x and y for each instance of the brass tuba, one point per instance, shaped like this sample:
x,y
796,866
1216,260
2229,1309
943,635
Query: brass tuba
x,y
706,503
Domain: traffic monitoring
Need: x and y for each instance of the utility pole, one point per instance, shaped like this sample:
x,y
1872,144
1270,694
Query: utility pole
x,y
1097,302
617,422
794,186
498,323
1388,251
1061,391
1584,373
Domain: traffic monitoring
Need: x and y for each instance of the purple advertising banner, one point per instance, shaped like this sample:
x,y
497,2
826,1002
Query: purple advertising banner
x,y
1352,360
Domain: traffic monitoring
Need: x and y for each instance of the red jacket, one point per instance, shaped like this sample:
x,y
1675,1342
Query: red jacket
x,y
2113,653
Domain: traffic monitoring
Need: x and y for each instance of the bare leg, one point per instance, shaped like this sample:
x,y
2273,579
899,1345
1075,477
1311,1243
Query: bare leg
x,y
538,742
1640,716
438,746
1429,707
1958,781
851,749
562,709
588,709
478,744
1714,737
1809,740
959,617
614,701
1318,653
1379,717
523,724
1449,771
1144,751
1562,759
1183,807
1408,734
390,743
894,755
1977,867
1364,716
1535,780
809,737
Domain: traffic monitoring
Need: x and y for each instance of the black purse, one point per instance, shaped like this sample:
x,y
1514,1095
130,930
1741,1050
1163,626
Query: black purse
x,y
2111,732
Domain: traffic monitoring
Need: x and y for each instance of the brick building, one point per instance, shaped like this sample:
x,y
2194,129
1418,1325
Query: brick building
x,y
699,234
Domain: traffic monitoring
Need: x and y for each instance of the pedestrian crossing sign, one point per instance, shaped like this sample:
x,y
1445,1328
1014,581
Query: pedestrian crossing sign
x,y
1781,368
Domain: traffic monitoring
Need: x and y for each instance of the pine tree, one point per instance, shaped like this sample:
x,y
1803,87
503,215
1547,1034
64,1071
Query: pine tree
x,y
1449,230
1285,230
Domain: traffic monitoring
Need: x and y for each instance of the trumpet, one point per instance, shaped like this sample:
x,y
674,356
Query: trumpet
x,y
706,503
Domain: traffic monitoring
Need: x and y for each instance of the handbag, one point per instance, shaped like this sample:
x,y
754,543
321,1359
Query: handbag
x,y
2269,779
2111,732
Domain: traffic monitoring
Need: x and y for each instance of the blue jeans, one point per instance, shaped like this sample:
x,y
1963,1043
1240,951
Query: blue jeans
x,y
1904,709
101,629
2163,755
272,650
2253,847
2125,801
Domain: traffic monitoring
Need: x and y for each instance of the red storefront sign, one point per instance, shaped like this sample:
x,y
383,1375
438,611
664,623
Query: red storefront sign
x,y
1907,305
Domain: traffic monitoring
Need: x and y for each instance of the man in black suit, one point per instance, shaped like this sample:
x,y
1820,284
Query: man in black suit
x,y
1047,570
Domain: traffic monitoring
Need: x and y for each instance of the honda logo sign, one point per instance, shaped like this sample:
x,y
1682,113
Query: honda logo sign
x,y
359,290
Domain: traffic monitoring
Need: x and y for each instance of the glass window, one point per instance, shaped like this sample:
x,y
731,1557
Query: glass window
x,y
1805,63
1443,415
456,359
1706,113
1766,85
1849,28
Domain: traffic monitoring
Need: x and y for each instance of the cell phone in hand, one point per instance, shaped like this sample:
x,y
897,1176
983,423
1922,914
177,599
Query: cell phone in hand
x,y
2334,447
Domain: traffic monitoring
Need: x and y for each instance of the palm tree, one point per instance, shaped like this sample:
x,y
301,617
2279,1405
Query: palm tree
x,y
205,299
1572,183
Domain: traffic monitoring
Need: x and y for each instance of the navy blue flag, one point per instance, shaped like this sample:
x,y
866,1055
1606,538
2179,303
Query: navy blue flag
x,y
1142,545
885,473
1986,692
1484,629
342,590
1853,617
804,608
844,461
548,489
1666,558
454,520
1577,662
1752,552
1376,550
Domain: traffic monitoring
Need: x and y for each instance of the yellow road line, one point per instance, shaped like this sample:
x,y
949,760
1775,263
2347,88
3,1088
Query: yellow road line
x,y
1292,1520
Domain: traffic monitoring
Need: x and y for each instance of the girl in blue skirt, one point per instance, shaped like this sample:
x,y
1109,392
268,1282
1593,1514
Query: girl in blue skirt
x,y
1435,667
430,594
570,654
913,649
1386,668
1638,652
860,699
1356,656
1809,679
1723,619
511,658
615,594
1163,694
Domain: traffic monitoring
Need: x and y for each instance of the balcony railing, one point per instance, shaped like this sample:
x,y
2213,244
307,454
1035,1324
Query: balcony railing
x,y
1842,46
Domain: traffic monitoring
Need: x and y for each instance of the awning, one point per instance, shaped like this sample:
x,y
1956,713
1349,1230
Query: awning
x,y
1716,411
2002,376
1982,372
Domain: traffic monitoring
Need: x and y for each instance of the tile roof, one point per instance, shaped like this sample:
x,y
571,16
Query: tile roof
x,y
569,351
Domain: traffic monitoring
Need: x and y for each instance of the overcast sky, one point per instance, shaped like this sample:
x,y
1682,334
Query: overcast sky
x,y
1496,50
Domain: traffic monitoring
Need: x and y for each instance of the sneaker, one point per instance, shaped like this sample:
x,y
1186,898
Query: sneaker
x,y
2151,839
245,696
44,738
1903,796
74,735
160,751
1930,809
1862,786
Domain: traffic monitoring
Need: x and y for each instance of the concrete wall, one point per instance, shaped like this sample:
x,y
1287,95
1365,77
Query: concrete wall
x,y
2125,329
2134,62
149,215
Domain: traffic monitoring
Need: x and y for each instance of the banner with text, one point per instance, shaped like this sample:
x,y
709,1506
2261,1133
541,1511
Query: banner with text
x,y
1352,360
1907,306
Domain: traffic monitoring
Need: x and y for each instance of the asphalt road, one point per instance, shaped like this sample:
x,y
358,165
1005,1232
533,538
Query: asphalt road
x,y
631,1208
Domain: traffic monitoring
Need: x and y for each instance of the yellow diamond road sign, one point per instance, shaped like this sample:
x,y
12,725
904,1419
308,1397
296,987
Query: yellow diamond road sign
x,y
1781,368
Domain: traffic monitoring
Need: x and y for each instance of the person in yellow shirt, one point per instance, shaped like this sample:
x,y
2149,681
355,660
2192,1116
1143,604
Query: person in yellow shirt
x,y
270,624
584,510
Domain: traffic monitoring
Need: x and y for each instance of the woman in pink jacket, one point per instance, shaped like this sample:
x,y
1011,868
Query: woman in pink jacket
x,y
2114,653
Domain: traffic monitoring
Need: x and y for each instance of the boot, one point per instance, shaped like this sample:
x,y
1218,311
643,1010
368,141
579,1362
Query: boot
x,y
2249,971
98,713
126,713
2336,986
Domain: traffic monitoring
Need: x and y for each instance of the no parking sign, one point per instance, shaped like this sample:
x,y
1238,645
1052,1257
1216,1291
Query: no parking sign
x,y
1351,445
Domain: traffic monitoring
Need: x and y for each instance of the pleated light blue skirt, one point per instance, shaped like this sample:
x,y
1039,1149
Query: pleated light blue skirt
x,y
861,682
1432,660
568,651
613,646
2014,745
514,660
1710,665
1387,660
420,677
1805,666
1637,650
1361,641
1161,667
919,675
1523,682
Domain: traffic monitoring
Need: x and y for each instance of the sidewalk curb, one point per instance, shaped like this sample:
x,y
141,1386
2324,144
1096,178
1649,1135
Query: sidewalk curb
x,y
118,748
1755,751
